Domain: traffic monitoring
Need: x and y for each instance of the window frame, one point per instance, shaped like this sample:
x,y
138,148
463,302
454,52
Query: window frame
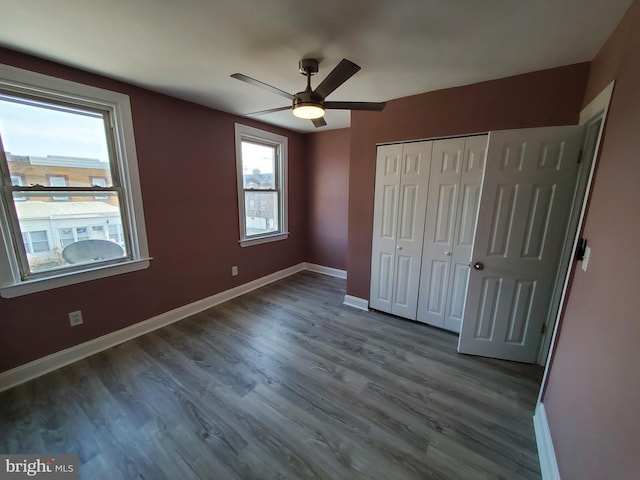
x,y
13,283
251,134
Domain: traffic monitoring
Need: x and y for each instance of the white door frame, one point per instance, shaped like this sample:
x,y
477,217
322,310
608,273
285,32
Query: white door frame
x,y
599,106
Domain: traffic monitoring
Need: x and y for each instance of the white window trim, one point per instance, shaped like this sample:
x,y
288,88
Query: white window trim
x,y
26,82
250,133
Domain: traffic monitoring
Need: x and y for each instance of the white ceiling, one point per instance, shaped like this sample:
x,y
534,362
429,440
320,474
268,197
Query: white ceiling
x,y
188,48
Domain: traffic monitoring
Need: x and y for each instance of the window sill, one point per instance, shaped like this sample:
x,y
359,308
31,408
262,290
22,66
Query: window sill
x,y
247,242
49,283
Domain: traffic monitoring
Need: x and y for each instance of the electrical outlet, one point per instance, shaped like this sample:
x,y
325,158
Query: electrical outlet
x,y
75,318
234,271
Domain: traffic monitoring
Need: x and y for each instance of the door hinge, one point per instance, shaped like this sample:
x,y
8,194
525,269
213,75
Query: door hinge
x,y
580,153
543,330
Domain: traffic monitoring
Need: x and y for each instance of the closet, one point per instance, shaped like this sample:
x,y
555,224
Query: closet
x,y
425,210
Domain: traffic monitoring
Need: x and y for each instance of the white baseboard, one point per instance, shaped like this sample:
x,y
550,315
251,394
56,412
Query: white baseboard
x,y
356,302
41,366
333,272
546,452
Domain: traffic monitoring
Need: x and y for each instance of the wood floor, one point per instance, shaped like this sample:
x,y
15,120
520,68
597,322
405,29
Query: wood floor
x,y
284,382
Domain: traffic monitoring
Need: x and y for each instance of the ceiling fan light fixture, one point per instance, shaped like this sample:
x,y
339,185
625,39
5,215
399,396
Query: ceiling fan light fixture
x,y
308,111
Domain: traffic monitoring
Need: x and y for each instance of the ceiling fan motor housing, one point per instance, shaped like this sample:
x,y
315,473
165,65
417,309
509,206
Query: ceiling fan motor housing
x,y
306,98
308,66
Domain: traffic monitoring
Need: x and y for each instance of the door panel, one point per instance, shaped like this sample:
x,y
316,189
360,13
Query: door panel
x,y
388,164
389,209
446,214
442,201
520,314
385,270
475,150
402,173
414,182
403,281
437,292
408,207
522,219
454,195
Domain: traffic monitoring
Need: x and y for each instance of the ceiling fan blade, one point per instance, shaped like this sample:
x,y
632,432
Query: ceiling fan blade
x,y
319,122
265,86
271,110
343,72
370,106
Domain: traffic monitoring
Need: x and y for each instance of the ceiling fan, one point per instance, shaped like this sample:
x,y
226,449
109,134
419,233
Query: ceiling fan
x,y
310,104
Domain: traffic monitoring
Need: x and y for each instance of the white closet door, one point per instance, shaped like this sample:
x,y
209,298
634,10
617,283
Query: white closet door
x,y
475,149
385,222
416,161
447,161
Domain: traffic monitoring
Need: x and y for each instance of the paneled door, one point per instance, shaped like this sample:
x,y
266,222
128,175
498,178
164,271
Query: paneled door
x,y
457,167
524,210
402,175
442,203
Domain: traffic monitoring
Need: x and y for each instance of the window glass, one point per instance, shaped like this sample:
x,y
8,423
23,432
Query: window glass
x,y
63,217
258,165
262,212
58,146
46,138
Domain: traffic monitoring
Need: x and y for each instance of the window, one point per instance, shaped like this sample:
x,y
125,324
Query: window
x,y
66,237
18,181
55,136
99,182
58,182
262,179
115,233
36,242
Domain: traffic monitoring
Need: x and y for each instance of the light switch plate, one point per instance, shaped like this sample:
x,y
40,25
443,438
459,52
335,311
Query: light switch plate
x,y
585,259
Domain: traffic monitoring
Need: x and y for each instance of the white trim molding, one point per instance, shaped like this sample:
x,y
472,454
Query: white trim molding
x,y
546,452
44,365
332,272
598,105
356,302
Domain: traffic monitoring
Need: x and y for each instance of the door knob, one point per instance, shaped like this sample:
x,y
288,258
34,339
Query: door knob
x,y
447,254
399,247
478,266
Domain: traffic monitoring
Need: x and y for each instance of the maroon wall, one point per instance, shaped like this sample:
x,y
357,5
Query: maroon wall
x,y
593,388
187,165
549,97
328,158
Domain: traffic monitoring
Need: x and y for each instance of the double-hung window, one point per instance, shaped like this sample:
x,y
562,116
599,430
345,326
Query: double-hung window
x,y
261,159
67,164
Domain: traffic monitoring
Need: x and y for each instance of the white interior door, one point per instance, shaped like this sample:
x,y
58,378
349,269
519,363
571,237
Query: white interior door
x,y
402,175
385,223
442,200
523,214
414,182
475,149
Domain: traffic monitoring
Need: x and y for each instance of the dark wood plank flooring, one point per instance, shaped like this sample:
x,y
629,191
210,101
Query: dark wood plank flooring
x,y
284,382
